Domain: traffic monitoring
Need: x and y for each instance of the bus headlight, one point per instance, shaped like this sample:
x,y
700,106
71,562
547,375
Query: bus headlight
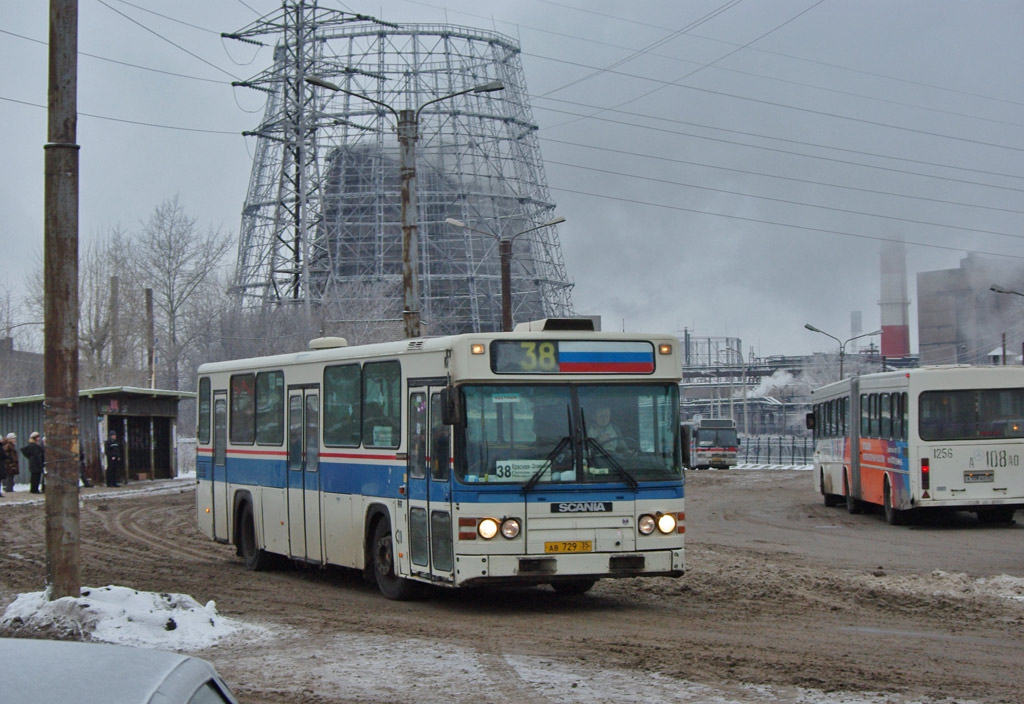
x,y
646,524
510,528
488,528
667,523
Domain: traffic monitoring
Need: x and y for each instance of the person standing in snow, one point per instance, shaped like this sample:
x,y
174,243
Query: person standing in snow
x,y
9,457
115,459
34,454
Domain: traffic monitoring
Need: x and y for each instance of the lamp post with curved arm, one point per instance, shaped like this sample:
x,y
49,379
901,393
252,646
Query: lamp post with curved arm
x,y
407,126
842,343
505,250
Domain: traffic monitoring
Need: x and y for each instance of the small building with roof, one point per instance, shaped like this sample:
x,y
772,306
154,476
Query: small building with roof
x,y
145,420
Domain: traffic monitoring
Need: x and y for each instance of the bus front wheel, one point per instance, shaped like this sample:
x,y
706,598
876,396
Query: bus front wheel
x,y
853,504
390,584
573,587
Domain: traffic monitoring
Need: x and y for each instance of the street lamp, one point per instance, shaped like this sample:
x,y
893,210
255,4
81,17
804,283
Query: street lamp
x,y
842,343
406,125
505,250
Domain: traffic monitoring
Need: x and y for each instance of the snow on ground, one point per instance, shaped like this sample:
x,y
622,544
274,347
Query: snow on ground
x,y
124,616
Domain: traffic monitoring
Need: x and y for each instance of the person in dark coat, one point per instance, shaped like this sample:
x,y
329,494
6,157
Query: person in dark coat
x,y
115,459
34,453
9,456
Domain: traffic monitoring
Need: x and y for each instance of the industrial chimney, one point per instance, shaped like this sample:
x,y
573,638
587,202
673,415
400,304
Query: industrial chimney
x,y
894,304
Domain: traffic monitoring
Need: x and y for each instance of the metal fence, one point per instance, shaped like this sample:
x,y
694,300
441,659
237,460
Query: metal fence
x,y
776,449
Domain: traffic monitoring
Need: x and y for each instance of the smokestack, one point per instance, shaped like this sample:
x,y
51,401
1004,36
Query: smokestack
x,y
894,304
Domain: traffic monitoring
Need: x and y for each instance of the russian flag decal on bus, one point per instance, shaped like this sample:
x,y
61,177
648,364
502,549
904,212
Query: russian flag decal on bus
x,y
605,357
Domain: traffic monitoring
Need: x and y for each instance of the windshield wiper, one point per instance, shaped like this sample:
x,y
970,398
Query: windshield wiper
x,y
559,447
532,481
598,448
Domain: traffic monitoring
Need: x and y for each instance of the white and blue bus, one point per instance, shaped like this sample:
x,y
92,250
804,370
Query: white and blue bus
x,y
940,437
452,461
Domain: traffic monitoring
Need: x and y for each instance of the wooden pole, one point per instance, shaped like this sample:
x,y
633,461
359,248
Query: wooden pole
x,y
60,265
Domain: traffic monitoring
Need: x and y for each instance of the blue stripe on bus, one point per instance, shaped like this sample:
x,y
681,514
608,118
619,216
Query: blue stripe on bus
x,y
384,481
607,357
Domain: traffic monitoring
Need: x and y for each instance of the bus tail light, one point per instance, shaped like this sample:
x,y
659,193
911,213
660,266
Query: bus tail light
x,y
926,479
682,518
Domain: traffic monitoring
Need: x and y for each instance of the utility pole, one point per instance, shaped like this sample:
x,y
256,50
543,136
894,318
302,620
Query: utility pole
x,y
150,340
60,264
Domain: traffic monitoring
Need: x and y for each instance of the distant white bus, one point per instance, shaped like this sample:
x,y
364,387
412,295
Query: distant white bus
x,y
936,437
709,442
453,461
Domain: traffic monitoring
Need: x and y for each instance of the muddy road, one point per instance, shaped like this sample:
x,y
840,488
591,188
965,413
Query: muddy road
x,y
784,600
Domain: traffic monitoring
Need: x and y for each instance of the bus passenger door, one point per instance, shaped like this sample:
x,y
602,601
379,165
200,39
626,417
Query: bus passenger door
x,y
304,535
429,484
219,473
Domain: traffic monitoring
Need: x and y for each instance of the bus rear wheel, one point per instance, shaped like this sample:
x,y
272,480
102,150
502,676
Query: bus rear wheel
x,y
893,516
996,514
254,558
390,584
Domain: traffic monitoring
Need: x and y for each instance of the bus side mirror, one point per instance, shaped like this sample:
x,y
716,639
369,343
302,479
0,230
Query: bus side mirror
x,y
810,421
451,410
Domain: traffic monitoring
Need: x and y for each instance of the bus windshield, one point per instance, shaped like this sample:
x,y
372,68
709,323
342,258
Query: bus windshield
x,y
717,437
972,414
560,433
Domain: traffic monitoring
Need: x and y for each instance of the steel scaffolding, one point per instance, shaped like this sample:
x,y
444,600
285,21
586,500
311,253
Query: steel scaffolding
x,y
321,223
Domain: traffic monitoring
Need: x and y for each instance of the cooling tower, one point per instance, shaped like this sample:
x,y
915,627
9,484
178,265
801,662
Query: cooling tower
x,y
322,219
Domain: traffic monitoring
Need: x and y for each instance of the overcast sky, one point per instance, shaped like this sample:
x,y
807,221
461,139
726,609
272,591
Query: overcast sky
x,y
727,166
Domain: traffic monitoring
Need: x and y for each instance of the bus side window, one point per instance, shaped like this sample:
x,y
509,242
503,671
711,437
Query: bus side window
x,y
205,411
382,399
270,408
342,405
440,441
865,425
884,416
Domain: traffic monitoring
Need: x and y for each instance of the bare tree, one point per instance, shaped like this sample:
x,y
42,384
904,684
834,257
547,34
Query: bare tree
x,y
179,262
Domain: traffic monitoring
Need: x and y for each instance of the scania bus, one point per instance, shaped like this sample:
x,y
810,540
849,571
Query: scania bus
x,y
452,461
710,442
936,437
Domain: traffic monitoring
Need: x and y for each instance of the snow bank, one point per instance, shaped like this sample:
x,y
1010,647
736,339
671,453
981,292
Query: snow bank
x,y
125,616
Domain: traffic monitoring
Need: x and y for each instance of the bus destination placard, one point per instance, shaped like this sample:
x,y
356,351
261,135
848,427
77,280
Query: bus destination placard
x,y
571,357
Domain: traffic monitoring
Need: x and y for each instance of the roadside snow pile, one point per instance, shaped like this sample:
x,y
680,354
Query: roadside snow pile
x,y
124,616
958,585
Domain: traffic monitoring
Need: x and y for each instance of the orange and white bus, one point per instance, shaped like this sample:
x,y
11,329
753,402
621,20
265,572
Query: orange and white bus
x,y
943,437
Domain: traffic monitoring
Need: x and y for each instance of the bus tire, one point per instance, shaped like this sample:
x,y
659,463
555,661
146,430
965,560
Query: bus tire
x,y
893,516
831,500
573,587
390,584
853,504
996,514
254,558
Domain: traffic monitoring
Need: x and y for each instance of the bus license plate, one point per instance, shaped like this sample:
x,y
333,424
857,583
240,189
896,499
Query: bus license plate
x,y
976,477
570,546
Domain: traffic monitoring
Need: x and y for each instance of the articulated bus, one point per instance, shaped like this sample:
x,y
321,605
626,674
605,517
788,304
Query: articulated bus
x,y
451,461
710,442
943,437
